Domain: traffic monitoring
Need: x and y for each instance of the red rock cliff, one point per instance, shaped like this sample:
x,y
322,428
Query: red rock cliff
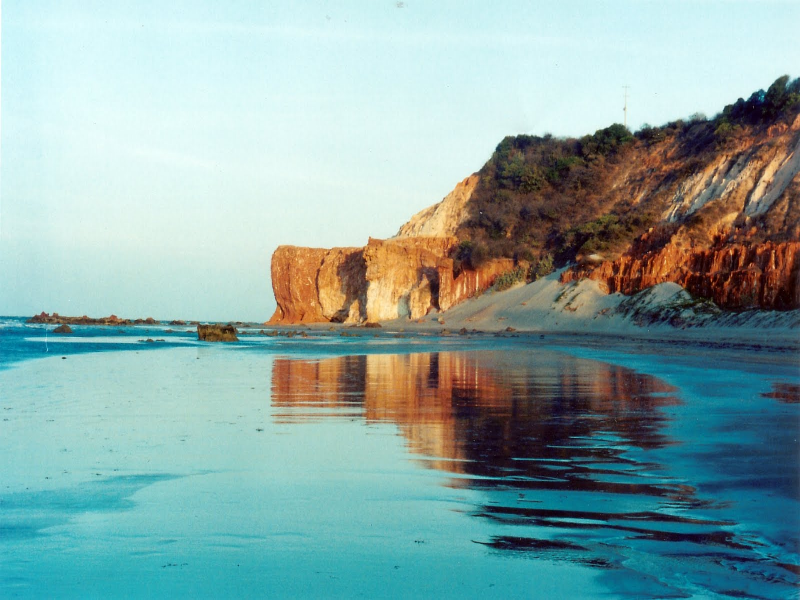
x,y
386,279
294,281
729,230
735,276
717,214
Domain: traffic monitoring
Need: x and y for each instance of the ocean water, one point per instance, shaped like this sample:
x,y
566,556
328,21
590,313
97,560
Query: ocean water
x,y
384,466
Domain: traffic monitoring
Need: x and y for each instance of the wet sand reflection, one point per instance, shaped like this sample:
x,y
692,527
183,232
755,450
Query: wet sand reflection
x,y
483,413
564,448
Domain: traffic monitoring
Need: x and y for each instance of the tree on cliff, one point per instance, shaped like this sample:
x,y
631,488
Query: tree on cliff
x,y
781,98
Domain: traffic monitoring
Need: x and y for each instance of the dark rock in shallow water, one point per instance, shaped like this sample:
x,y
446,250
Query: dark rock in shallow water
x,y
42,317
57,319
217,333
63,329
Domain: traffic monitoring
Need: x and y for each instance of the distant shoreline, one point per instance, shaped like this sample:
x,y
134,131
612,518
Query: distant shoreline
x,y
784,342
491,315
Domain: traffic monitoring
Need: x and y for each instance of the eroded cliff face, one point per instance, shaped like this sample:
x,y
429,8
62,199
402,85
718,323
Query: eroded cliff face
x,y
403,276
734,276
385,280
745,178
729,232
294,273
444,218
340,285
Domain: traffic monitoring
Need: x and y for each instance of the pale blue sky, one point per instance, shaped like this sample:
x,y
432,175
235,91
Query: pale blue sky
x,y
155,153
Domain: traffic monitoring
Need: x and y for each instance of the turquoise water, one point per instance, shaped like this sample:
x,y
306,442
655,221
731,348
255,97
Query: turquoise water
x,y
384,466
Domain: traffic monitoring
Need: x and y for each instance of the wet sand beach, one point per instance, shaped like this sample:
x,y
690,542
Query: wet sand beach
x,y
432,466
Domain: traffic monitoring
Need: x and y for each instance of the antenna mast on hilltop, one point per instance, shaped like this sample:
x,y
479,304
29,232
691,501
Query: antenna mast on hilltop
x,y
625,108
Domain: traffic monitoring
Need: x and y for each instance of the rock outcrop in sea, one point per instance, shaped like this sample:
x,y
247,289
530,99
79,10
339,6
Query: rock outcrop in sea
x,y
112,320
217,333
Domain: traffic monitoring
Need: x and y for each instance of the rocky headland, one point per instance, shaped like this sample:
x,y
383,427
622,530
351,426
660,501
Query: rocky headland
x,y
709,206
384,280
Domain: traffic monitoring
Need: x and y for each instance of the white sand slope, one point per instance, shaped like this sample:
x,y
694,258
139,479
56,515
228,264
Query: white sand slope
x,y
664,310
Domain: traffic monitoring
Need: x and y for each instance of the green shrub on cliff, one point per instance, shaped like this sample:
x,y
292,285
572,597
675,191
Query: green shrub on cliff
x,y
469,254
533,187
541,267
781,98
540,195
605,141
508,279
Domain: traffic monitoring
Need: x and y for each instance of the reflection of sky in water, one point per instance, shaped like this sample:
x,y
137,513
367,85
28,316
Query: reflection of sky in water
x,y
574,460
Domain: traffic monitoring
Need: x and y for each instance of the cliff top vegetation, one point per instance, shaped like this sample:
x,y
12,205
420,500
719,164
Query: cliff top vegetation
x,y
543,198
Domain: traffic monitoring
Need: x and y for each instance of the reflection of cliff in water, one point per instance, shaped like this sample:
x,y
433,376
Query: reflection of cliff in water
x,y
493,415
571,455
